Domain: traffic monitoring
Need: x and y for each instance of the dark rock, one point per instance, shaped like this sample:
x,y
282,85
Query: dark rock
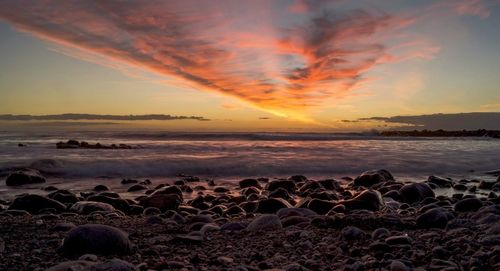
x,y
25,176
320,206
286,184
34,203
460,187
486,185
100,188
129,181
271,205
249,183
367,200
294,220
298,178
162,201
434,218
193,238
221,189
168,190
137,187
416,192
441,182
234,210
370,178
280,193
330,184
265,223
117,203
96,239
233,226
62,227
286,212
87,207
468,205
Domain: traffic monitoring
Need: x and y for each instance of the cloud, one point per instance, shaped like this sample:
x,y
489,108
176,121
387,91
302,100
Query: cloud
x,y
459,121
64,117
472,7
265,56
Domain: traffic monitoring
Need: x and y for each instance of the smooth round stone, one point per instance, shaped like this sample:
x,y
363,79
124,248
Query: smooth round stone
x,y
35,203
320,206
434,218
352,233
468,205
87,207
380,233
249,183
114,265
96,239
399,240
370,178
398,266
265,223
416,192
271,205
295,212
26,176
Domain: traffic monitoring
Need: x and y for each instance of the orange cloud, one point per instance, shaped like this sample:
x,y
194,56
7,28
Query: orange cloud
x,y
283,69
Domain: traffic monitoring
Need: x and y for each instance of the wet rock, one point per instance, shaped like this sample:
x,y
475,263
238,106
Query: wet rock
x,y
416,192
370,178
398,266
221,189
468,205
193,238
286,184
117,203
137,187
265,223
280,193
234,210
163,202
169,190
486,185
96,239
294,220
320,206
100,188
87,207
129,181
380,233
434,218
271,205
440,182
366,200
34,203
249,183
25,176
72,266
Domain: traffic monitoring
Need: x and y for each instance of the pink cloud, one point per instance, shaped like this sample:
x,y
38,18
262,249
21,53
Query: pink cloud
x,y
472,7
278,67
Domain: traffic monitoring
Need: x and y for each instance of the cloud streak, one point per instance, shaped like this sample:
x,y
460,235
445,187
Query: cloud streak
x,y
284,61
8,117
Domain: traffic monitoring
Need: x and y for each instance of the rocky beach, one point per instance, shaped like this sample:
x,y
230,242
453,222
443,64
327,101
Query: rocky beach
x,y
368,222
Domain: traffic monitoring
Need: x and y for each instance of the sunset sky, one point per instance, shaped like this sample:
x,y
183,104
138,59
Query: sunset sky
x,y
251,65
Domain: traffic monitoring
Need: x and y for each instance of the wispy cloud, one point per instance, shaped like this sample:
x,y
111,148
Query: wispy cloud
x,y
288,60
8,117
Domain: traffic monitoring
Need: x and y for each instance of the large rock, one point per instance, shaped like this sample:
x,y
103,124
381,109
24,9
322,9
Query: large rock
x,y
117,203
249,183
366,200
271,205
114,265
434,218
265,223
34,203
163,202
320,206
169,190
286,184
26,176
468,205
87,207
96,239
439,181
416,192
370,178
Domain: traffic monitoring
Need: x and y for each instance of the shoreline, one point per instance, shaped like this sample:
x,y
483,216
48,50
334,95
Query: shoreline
x,y
373,222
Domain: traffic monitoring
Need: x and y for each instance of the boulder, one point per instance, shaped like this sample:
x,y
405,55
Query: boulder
x,y
249,183
468,205
366,200
370,178
265,223
87,207
117,203
416,192
168,190
434,218
286,184
439,181
320,206
114,265
25,176
271,205
34,203
96,239
163,202
137,187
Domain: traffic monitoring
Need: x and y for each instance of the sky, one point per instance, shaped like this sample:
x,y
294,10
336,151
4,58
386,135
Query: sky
x,y
291,65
